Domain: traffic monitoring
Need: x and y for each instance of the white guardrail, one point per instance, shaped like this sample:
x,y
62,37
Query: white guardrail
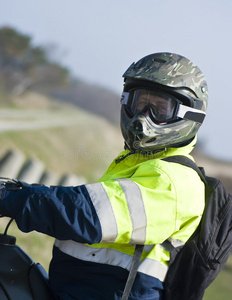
x,y
13,164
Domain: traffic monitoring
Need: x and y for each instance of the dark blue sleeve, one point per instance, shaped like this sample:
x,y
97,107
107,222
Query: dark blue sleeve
x,y
61,212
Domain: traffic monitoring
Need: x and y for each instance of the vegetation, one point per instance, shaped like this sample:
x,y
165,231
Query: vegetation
x,y
25,67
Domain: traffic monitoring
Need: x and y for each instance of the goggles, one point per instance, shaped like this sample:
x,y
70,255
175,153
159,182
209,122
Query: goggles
x,y
160,106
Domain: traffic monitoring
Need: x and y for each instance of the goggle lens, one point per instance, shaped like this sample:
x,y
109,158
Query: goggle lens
x,y
160,106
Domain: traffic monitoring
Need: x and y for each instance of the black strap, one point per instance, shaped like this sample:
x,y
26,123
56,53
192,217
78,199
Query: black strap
x,y
133,271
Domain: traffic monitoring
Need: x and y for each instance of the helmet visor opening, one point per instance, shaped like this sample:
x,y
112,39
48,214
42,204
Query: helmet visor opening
x,y
161,107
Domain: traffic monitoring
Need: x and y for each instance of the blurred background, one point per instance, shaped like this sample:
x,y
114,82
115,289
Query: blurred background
x,y
61,66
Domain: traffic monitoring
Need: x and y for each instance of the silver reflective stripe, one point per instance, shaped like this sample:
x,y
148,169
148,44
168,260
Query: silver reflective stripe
x,y
111,257
98,255
137,211
153,268
176,243
104,211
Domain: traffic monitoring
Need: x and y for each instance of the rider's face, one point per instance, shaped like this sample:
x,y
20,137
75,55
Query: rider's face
x,y
159,104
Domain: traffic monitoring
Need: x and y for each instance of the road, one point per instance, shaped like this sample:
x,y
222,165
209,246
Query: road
x,y
20,119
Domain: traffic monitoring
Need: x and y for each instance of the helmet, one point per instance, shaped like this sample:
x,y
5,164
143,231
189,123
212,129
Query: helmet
x,y
163,103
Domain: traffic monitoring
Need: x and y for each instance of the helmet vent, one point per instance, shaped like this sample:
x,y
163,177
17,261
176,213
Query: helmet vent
x,y
138,127
159,60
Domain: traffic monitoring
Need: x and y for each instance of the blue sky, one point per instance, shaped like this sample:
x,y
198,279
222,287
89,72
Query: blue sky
x,y
98,40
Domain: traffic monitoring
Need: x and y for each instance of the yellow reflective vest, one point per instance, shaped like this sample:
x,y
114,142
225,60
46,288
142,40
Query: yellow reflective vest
x,y
142,199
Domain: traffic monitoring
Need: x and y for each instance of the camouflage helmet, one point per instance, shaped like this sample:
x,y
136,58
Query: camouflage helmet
x,y
177,76
171,70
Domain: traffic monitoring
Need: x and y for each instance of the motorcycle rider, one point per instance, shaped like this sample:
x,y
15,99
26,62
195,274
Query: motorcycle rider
x,y
140,199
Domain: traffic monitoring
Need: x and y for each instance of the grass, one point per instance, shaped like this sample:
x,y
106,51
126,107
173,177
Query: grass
x,y
221,288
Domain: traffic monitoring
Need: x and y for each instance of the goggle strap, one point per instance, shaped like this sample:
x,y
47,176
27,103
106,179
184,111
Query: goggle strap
x,y
125,98
192,114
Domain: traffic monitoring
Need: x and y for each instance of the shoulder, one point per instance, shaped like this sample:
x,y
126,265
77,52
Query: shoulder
x,y
175,173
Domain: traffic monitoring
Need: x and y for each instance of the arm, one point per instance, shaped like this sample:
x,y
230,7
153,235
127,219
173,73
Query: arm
x,y
62,212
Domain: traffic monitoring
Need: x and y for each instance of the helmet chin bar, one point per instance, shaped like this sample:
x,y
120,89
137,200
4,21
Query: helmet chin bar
x,y
137,140
143,151
141,135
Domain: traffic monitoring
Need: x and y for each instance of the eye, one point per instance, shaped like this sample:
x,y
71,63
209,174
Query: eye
x,y
141,105
162,108
142,102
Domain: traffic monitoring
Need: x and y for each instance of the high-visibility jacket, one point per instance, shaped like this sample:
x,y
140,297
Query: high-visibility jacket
x,y
139,200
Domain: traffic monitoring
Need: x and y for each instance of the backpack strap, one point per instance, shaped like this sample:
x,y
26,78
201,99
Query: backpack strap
x,y
184,160
133,271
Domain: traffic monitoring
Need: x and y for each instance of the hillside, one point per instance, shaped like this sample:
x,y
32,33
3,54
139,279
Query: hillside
x,y
66,138
96,99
